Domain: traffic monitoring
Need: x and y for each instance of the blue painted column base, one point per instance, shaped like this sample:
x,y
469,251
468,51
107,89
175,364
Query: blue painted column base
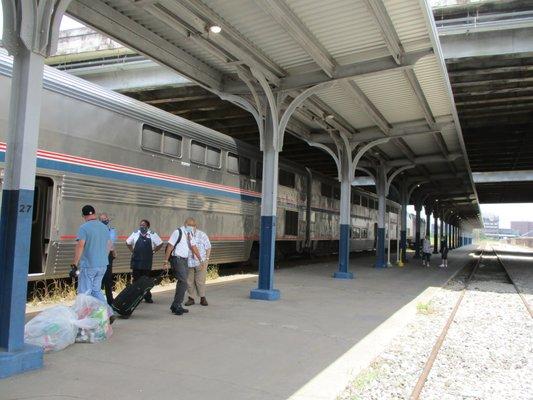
x,y
16,362
344,254
267,242
381,261
343,275
265,294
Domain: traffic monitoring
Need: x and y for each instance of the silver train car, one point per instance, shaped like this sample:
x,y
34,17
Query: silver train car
x,y
134,161
411,229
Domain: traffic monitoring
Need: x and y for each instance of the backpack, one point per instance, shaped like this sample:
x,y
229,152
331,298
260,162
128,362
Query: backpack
x,y
175,244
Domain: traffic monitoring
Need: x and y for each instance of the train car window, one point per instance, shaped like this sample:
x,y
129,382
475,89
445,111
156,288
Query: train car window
x,y
387,209
375,204
172,144
238,164
357,233
325,189
364,233
233,163
259,170
197,152
287,178
364,201
245,166
336,193
213,157
151,138
291,223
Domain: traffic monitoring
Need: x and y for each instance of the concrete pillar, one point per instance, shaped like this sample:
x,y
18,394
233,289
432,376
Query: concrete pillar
x,y
269,204
435,232
381,182
403,229
17,211
449,238
428,221
418,209
345,223
442,228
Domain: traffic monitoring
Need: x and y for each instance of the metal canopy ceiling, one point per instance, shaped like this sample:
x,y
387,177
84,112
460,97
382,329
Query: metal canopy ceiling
x,y
493,91
383,57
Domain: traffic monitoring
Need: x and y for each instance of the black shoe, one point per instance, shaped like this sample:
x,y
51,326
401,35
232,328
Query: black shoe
x,y
181,309
148,300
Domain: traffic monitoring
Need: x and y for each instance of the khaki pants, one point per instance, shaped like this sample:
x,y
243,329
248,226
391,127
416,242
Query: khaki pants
x,y
196,281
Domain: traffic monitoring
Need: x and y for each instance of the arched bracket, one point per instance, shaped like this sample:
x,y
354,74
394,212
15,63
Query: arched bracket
x,y
361,152
394,175
34,24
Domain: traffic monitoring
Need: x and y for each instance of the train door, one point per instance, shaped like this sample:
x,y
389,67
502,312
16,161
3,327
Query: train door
x,y
41,223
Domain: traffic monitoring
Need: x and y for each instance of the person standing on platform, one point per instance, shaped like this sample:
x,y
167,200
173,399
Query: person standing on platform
x,y
177,254
444,252
426,251
107,281
91,254
197,266
143,244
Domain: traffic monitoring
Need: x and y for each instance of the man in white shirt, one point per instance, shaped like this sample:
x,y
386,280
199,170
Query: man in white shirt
x,y
198,266
179,245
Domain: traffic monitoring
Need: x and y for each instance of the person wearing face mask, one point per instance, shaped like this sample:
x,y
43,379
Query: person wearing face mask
x,y
197,266
107,281
179,245
143,244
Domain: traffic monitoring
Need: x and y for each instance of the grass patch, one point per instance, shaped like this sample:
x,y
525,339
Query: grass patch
x,y
425,308
52,291
212,272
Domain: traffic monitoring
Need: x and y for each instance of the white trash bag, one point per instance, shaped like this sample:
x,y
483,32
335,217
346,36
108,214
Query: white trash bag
x,y
93,319
53,329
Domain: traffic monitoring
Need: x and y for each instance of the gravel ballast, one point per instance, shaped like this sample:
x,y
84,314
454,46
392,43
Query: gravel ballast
x,y
488,353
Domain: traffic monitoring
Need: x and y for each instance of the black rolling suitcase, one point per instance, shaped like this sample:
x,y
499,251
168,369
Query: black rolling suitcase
x,y
127,300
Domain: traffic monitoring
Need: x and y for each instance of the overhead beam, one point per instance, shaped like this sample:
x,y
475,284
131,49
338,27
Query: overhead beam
x,y
487,43
503,176
286,18
342,72
124,30
384,23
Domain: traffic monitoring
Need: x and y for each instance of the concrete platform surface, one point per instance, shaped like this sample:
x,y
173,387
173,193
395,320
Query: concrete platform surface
x,y
306,345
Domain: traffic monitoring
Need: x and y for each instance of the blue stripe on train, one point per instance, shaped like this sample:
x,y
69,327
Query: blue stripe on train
x,y
102,173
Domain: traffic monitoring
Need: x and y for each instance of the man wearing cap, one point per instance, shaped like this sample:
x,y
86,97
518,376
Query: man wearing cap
x,y
91,254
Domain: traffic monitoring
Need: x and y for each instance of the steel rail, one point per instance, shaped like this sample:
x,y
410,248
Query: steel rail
x,y
438,344
526,304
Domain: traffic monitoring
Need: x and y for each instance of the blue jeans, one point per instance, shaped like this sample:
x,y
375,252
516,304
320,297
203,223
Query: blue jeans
x,y
90,282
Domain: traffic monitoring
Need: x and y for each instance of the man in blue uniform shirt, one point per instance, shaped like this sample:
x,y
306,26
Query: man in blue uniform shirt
x,y
91,254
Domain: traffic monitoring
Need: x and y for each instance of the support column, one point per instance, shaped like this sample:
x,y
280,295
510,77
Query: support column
x,y
17,211
269,204
435,231
450,241
418,209
381,261
428,221
442,228
345,222
403,231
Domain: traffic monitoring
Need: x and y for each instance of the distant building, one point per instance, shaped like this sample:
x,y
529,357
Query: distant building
x,y
493,230
522,227
492,224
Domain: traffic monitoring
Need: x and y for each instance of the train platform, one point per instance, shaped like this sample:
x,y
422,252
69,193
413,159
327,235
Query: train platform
x,y
307,345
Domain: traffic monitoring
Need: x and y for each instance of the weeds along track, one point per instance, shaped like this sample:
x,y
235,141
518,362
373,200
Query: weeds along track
x,y
464,343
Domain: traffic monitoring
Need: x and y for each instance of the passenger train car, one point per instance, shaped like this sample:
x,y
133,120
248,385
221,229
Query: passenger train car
x,y
134,161
411,229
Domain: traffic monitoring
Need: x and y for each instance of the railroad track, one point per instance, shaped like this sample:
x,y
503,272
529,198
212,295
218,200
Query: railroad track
x,y
491,273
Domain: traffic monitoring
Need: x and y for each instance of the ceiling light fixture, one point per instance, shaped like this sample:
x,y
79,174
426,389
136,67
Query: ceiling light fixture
x,y
215,29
